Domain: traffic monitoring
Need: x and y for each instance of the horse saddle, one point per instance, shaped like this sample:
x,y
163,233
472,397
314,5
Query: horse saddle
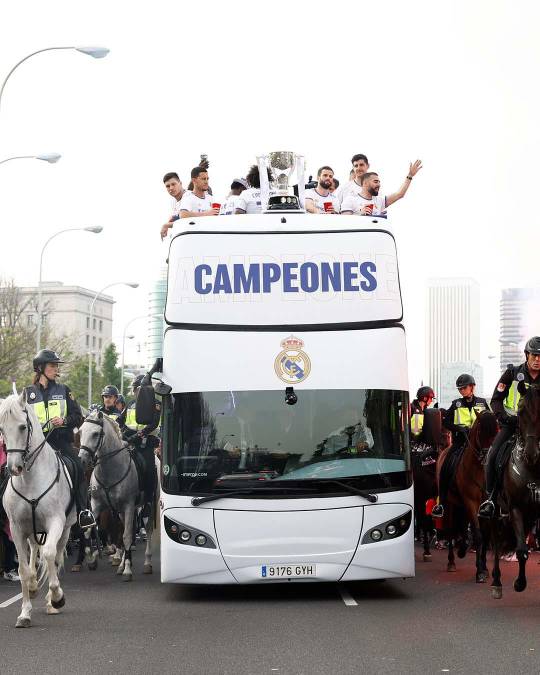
x,y
75,473
452,461
146,470
504,455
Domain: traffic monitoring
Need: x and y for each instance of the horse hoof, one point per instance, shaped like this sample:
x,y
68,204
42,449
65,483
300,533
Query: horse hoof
x,y
92,566
481,578
23,623
496,592
519,585
147,569
427,557
76,568
127,577
59,603
451,567
52,610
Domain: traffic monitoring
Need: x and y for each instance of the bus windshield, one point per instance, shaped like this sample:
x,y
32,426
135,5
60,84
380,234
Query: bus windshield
x,y
255,441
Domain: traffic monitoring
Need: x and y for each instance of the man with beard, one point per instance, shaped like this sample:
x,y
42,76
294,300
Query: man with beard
x,y
366,202
197,202
316,198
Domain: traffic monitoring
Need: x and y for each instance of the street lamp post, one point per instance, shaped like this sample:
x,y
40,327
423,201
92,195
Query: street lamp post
x,y
131,284
95,52
50,157
135,318
94,230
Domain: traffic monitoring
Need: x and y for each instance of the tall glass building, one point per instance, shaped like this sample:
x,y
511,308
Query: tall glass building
x,y
520,320
156,324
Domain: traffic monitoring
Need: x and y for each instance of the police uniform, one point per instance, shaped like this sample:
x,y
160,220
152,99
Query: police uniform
x,y
459,418
462,414
109,411
417,420
56,400
504,404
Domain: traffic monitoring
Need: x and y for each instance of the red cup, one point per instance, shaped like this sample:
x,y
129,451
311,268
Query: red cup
x,y
369,207
328,206
215,205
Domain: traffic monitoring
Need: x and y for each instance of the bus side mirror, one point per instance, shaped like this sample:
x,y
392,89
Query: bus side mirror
x,y
432,429
145,405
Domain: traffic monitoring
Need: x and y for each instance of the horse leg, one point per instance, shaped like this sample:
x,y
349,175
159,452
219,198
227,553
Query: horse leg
x,y
496,585
451,567
522,551
55,597
147,569
33,582
24,619
479,545
128,519
426,535
79,536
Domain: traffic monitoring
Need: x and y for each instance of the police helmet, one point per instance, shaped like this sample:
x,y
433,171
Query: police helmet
x,y
43,357
137,381
425,392
464,380
533,345
110,390
121,399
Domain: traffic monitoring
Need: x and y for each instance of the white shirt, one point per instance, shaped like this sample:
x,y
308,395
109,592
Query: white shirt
x,y
343,191
190,202
355,202
250,200
230,206
318,200
175,206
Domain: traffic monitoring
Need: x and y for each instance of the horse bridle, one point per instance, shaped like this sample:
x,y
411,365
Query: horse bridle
x,y
28,458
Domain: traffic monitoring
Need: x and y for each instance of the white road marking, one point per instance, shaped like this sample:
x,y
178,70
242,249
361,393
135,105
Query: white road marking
x,y
9,602
347,597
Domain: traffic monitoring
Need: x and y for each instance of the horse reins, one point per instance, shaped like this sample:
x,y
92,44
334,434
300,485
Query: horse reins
x,y
97,460
40,537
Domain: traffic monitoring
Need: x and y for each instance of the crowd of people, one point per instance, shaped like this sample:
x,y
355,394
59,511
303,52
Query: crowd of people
x,y
359,196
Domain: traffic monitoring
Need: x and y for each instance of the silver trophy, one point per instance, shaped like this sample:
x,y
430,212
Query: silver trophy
x,y
281,165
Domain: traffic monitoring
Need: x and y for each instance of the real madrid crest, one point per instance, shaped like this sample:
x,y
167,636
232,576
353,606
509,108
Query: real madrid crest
x,y
292,365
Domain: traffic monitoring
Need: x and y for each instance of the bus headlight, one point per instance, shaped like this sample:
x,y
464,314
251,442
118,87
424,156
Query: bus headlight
x,y
187,535
391,529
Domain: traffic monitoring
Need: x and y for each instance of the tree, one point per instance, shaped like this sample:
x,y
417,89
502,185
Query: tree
x,y
77,380
109,371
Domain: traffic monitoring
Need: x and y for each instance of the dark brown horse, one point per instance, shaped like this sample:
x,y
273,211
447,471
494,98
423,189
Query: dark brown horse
x,y
467,492
520,494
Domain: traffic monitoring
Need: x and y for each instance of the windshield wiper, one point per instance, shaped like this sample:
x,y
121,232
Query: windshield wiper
x,y
355,491
246,491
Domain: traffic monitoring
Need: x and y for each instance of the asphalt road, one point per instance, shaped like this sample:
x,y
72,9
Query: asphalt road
x,y
437,622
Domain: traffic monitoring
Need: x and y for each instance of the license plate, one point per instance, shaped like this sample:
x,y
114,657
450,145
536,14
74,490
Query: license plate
x,y
296,571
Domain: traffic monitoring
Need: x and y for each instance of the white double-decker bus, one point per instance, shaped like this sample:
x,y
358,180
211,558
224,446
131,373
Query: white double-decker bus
x,y
285,433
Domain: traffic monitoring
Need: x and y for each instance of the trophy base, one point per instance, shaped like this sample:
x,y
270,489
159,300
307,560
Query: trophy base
x,y
284,203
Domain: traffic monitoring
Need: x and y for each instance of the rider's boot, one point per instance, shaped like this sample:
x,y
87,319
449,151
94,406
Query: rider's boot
x,y
487,508
86,518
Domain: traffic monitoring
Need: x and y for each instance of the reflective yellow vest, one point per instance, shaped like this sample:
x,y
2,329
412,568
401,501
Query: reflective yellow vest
x,y
417,423
56,406
513,397
131,420
465,417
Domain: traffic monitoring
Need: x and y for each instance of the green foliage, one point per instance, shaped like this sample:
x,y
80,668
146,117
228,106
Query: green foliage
x,y
110,373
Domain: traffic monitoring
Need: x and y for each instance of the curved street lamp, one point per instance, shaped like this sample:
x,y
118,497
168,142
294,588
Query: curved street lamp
x,y
131,284
50,157
94,229
95,52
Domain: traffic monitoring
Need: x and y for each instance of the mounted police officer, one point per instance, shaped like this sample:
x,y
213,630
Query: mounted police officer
x,y
459,418
504,404
145,438
120,404
424,398
109,398
59,415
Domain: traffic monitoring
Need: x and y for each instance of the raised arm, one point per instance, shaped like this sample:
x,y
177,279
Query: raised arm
x,y
414,168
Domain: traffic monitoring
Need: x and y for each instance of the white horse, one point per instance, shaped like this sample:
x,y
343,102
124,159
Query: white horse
x,y
36,499
114,485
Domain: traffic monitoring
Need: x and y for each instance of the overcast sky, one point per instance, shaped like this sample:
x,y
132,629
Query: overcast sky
x,y
453,83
